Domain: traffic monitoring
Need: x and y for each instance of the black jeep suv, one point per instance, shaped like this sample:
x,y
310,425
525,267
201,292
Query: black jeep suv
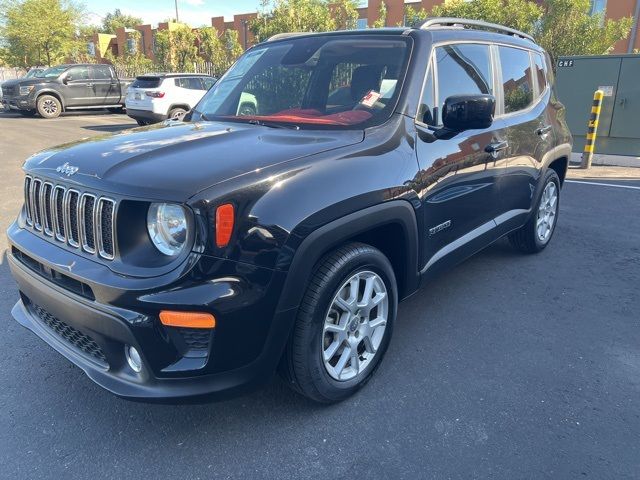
x,y
191,259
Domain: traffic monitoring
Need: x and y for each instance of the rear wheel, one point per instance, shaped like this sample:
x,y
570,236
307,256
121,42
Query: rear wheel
x,y
536,234
344,324
48,106
177,113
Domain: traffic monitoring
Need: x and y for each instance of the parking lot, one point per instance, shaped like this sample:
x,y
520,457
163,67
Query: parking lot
x,y
509,366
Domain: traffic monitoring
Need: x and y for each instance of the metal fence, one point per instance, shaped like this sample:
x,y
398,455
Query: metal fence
x,y
11,73
205,68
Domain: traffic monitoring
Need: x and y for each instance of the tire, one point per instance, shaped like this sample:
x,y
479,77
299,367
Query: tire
x,y
116,110
142,123
303,365
247,110
48,106
177,113
530,238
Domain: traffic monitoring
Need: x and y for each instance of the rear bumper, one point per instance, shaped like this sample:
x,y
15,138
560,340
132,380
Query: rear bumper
x,y
146,115
228,360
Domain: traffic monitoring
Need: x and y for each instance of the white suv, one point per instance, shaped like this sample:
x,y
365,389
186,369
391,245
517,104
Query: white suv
x,y
155,97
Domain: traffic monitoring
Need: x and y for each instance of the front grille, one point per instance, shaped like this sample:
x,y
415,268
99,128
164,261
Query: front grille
x,y
75,337
79,219
9,91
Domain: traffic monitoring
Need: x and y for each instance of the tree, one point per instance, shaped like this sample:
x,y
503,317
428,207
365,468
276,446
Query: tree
x,y
562,27
283,16
116,19
382,16
176,49
38,32
345,14
568,28
232,48
221,51
132,62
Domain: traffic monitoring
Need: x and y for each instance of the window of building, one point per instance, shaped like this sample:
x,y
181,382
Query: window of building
x,y
462,69
598,6
131,45
91,49
516,78
361,23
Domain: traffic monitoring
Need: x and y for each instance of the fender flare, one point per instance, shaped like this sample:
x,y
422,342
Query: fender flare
x,y
336,232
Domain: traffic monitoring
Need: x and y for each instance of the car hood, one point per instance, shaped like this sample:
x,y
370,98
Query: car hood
x,y
22,82
175,160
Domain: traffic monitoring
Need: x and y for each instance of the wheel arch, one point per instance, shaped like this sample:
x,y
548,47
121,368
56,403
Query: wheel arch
x,y
53,93
560,165
178,105
391,227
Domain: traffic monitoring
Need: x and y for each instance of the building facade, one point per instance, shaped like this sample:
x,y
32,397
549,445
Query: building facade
x,y
368,14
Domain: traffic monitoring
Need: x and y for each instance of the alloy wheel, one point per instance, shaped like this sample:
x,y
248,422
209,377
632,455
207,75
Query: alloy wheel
x,y
547,212
354,325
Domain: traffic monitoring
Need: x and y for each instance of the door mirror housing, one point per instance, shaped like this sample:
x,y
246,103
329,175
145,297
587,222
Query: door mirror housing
x,y
67,79
468,112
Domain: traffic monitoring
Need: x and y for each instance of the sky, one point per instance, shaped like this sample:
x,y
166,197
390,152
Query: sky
x,y
194,12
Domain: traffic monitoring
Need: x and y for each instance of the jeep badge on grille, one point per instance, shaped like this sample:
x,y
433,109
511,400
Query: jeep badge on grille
x,y
67,169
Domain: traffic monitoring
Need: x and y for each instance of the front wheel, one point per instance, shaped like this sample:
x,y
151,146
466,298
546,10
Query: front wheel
x,y
49,106
177,114
344,324
536,234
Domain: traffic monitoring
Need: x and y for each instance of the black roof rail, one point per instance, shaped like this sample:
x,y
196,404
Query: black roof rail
x,y
466,22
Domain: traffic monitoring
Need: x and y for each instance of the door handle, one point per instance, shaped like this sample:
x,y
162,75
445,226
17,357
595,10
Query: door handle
x,y
542,131
90,85
495,148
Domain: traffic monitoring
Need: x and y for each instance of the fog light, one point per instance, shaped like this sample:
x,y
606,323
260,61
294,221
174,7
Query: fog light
x,y
133,358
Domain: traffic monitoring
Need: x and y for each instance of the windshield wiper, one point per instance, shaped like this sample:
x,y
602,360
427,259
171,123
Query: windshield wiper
x,y
262,123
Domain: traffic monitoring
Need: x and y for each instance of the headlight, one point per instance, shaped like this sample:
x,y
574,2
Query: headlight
x,y
167,226
26,90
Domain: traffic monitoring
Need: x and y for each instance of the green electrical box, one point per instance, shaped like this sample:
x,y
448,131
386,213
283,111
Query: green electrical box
x,y
618,76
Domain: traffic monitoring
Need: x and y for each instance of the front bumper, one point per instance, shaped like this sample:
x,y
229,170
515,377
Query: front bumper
x,y
23,102
240,354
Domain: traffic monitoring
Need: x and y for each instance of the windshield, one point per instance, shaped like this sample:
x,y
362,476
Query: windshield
x,y
52,72
33,72
312,82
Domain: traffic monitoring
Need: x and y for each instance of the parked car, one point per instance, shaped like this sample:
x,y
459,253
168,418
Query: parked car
x,y
159,96
66,87
191,259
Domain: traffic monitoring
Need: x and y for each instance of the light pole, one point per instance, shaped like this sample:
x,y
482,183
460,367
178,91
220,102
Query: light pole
x,y
177,19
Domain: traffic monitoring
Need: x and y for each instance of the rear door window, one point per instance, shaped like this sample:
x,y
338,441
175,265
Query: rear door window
x,y
517,81
462,69
100,72
191,83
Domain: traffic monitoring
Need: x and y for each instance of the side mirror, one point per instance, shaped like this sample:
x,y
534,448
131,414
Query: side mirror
x,y
67,79
468,112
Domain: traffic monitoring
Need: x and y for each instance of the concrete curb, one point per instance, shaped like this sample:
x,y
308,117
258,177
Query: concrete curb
x,y
610,160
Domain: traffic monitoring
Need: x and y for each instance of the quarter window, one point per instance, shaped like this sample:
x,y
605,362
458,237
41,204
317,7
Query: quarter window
x,y
540,72
516,79
462,69
425,112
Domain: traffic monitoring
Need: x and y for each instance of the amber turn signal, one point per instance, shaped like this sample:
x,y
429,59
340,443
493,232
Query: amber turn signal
x,y
224,224
187,319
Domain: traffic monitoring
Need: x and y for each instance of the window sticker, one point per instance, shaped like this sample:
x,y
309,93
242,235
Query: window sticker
x,y
370,98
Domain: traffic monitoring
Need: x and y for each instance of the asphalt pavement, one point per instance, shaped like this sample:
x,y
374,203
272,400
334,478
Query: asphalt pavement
x,y
510,366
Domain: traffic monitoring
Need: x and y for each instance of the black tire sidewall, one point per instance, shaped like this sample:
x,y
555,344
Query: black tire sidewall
x,y
550,176
41,100
327,386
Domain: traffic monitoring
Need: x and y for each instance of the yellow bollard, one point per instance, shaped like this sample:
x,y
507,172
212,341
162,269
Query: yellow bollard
x,y
592,131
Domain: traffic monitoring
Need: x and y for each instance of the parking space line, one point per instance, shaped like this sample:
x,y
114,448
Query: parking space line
x,y
603,184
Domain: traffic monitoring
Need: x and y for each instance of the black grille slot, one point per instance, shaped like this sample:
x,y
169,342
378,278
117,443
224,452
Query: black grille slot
x,y
106,228
81,219
59,213
35,201
47,218
74,236
71,335
87,209
27,200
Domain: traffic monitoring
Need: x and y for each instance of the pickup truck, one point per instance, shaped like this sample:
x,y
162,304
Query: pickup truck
x,y
66,87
